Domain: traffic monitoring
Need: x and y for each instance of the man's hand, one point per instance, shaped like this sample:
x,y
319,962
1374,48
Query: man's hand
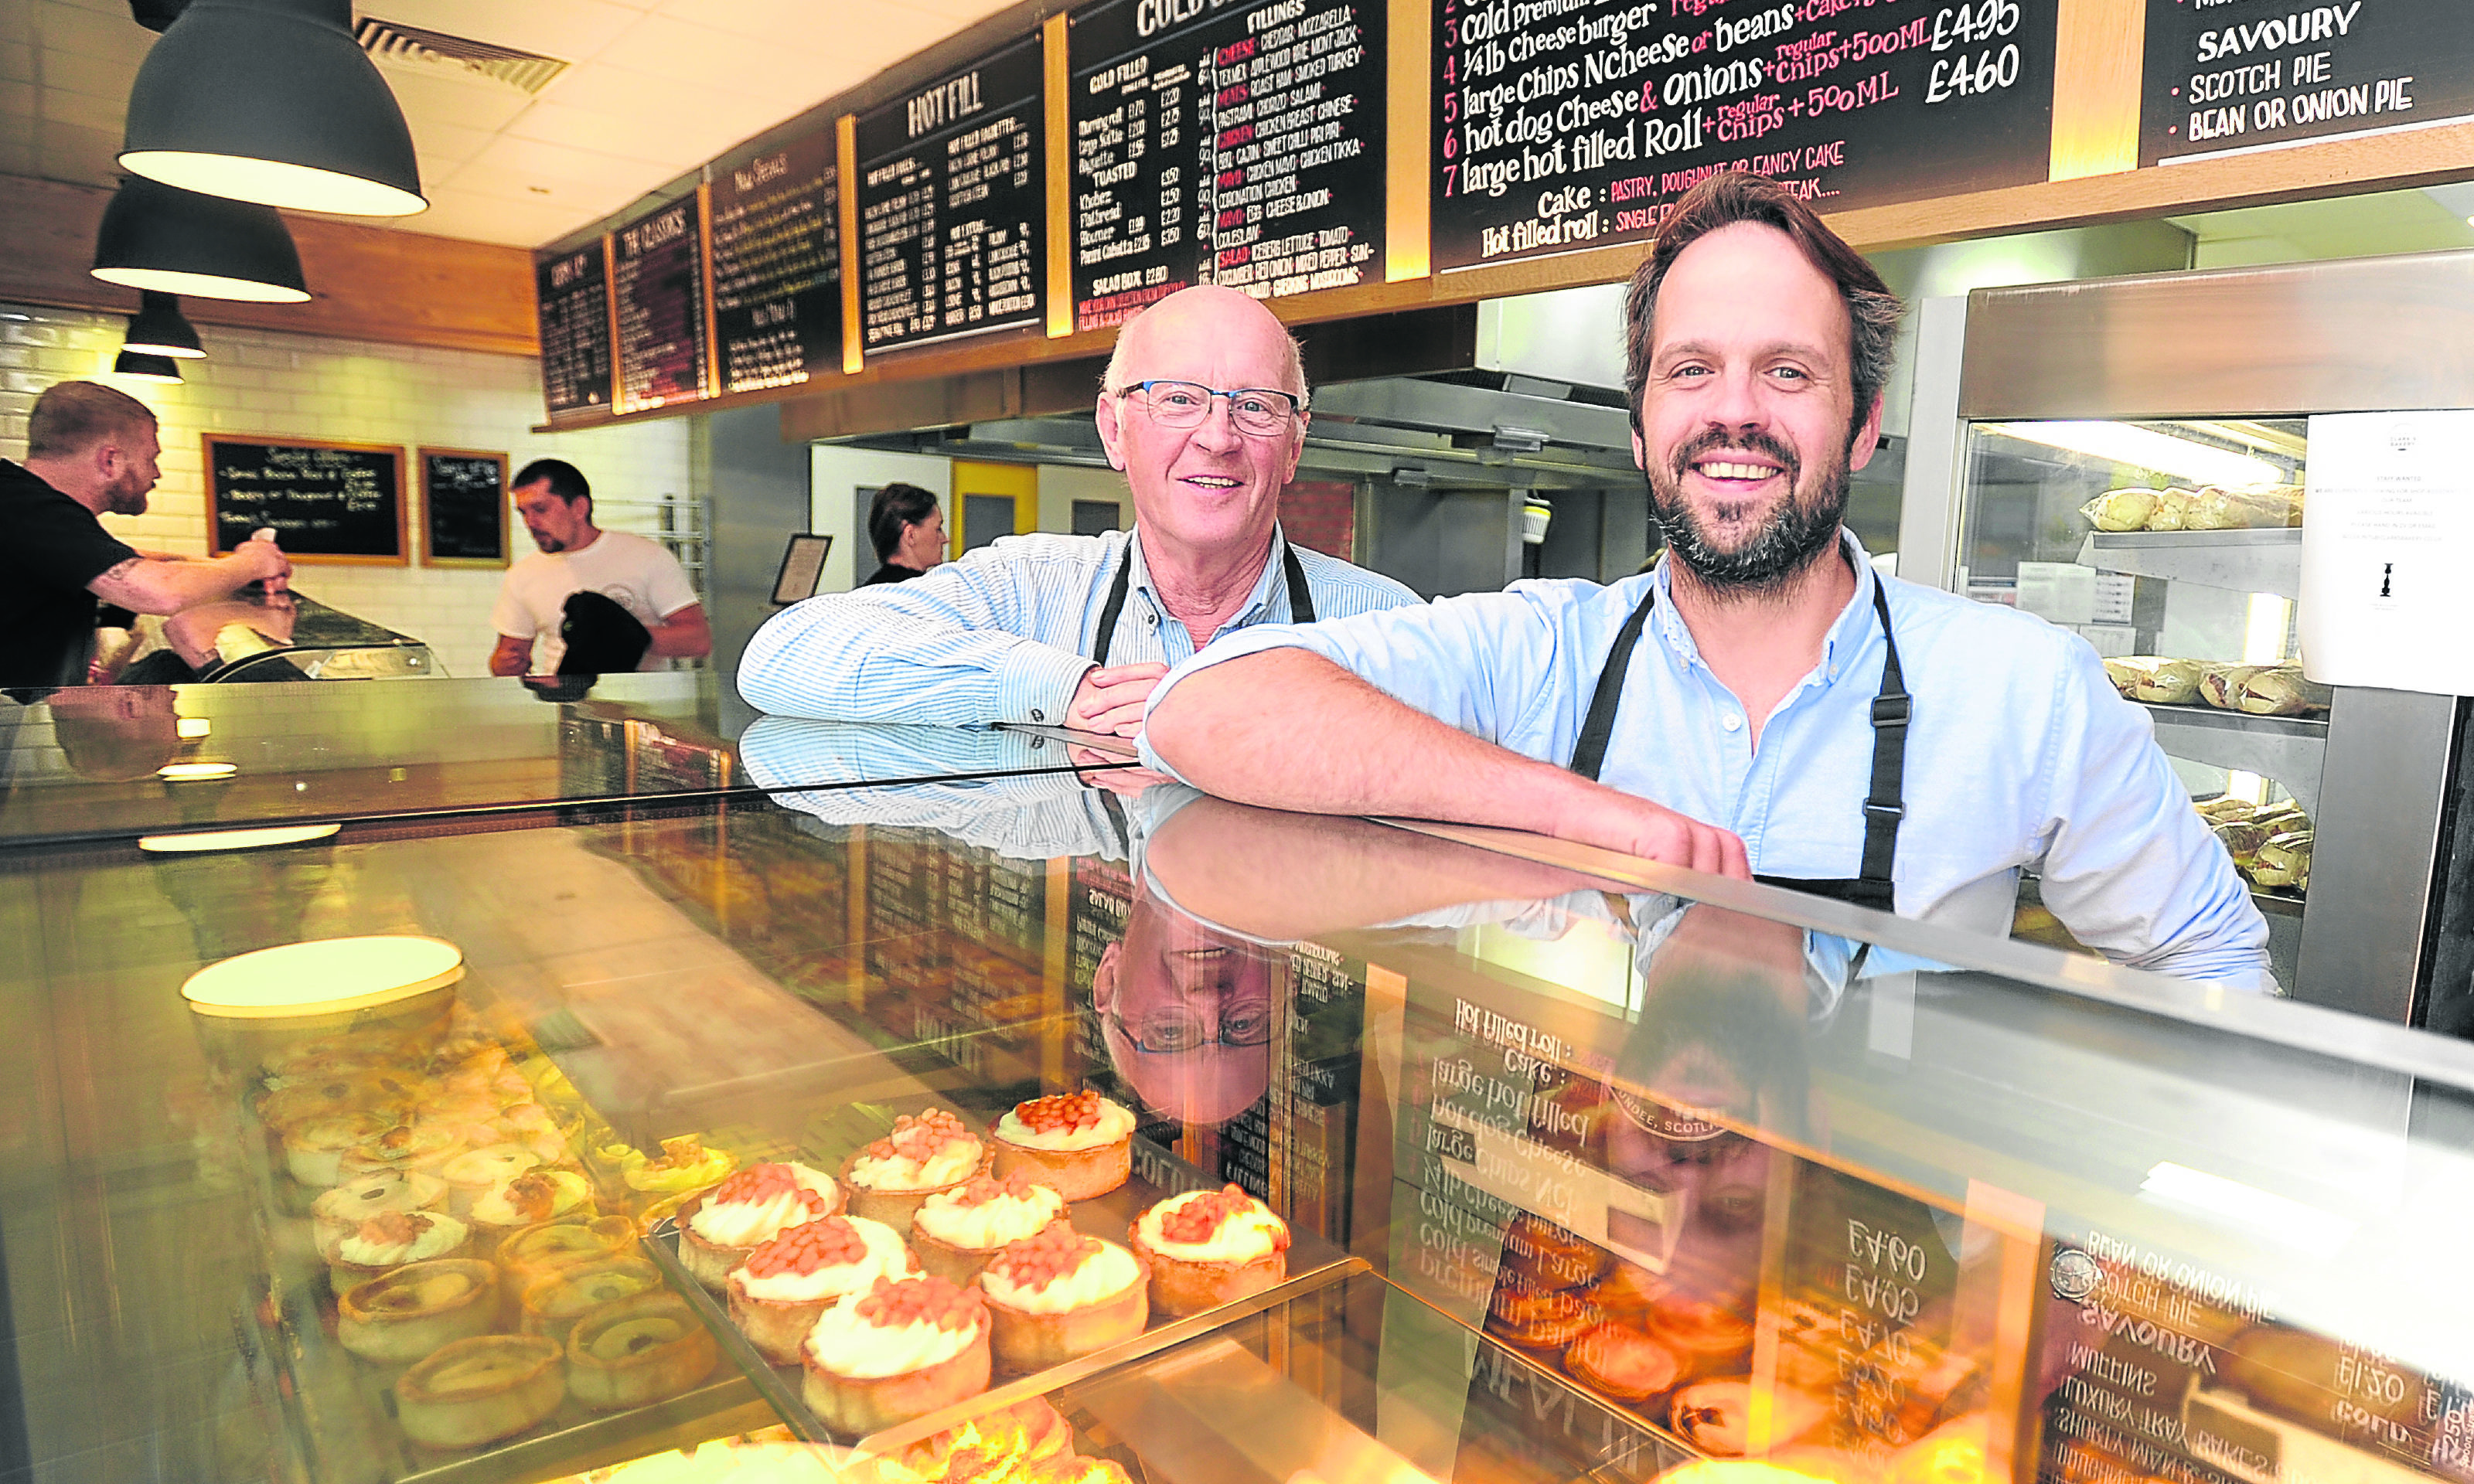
x,y
1616,821
1110,699
263,561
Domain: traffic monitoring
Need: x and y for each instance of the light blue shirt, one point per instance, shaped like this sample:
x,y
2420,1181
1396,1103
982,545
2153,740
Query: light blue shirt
x,y
1002,634
2021,752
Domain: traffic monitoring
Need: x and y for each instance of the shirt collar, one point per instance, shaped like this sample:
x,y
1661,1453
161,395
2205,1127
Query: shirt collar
x,y
1257,604
1849,628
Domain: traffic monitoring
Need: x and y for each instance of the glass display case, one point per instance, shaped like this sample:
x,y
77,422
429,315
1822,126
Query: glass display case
x,y
1585,1169
2129,457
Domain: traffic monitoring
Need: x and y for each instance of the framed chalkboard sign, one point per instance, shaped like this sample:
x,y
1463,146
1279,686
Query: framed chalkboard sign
x,y
463,508
340,504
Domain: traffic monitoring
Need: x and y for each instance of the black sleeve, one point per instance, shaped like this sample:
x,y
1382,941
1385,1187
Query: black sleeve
x,y
60,546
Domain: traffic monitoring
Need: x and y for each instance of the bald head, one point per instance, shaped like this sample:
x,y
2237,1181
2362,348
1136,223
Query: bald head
x,y
1203,315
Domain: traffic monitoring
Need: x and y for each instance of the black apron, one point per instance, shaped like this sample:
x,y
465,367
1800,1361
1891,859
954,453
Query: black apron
x,y
1883,811
1302,609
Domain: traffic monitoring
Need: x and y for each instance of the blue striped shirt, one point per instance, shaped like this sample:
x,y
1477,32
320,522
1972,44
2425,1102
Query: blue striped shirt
x,y
1002,634
2022,755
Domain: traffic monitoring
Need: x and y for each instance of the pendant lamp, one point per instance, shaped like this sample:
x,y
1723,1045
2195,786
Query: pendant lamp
x,y
137,365
272,101
157,236
159,328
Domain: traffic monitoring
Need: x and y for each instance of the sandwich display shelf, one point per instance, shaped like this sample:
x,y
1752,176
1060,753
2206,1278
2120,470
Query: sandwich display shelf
x,y
1591,1169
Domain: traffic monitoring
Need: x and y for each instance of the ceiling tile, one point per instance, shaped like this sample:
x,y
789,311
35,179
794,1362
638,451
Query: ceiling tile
x,y
571,30
434,138
487,219
461,99
703,56
18,100
17,61
73,152
554,165
103,114
647,133
16,20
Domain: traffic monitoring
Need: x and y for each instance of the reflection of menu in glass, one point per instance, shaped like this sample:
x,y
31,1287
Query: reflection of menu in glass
x,y
1240,146
777,296
571,297
660,290
952,202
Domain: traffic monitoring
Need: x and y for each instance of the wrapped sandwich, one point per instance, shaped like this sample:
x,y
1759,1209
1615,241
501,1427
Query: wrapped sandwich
x,y
2274,691
2154,679
2224,806
2220,683
2242,838
2212,509
2283,863
2172,511
2119,510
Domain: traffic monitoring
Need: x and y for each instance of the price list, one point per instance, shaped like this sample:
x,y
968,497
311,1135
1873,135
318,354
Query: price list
x,y
2223,77
777,296
952,200
659,283
1567,124
571,298
1240,146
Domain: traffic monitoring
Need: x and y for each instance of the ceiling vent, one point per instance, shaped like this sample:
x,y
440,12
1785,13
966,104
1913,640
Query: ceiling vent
x,y
392,41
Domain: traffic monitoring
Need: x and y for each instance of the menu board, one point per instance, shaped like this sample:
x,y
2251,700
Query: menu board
x,y
2227,79
340,503
777,266
658,279
572,298
1240,146
952,204
1559,125
463,508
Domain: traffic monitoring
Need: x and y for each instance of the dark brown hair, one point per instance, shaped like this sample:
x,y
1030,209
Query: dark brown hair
x,y
72,416
1733,197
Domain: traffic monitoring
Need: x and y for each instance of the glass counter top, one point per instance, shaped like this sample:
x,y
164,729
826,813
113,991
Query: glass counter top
x,y
110,762
1591,1168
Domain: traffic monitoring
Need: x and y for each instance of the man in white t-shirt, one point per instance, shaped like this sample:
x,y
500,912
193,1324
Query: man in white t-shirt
x,y
578,557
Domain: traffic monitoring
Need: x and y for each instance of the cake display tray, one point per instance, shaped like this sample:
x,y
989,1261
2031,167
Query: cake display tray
x,y
1313,1262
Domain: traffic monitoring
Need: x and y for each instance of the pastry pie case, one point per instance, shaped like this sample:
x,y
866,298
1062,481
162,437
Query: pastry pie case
x,y
2130,458
1591,1169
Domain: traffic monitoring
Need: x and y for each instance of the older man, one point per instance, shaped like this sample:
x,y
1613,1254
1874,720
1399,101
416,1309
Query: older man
x,y
1762,701
90,451
1204,410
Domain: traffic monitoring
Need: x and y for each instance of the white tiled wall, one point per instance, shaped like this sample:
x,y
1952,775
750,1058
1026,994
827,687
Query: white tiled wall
x,y
306,386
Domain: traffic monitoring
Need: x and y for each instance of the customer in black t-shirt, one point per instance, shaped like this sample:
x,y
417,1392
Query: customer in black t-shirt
x,y
908,530
90,451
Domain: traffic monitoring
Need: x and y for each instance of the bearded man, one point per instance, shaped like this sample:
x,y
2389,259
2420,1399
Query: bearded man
x,y
1760,703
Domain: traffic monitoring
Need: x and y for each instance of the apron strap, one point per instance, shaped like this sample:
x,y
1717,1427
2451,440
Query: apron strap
x,y
1301,606
1886,805
1591,753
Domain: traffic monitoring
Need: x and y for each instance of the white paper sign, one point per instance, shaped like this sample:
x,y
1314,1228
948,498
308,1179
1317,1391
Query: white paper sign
x,y
2388,551
2063,592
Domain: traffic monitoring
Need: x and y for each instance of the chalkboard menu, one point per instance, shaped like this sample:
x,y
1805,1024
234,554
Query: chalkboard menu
x,y
1568,124
2227,79
463,508
1239,146
777,266
657,278
952,204
572,296
340,503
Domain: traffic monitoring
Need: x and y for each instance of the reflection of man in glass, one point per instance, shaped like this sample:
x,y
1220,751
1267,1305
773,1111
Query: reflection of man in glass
x,y
115,734
1186,1014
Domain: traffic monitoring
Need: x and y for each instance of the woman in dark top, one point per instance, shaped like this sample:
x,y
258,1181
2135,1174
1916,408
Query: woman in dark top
x,y
909,532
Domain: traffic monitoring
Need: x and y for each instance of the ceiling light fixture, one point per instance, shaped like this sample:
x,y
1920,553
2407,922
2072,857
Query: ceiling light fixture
x,y
139,365
159,328
272,101
158,236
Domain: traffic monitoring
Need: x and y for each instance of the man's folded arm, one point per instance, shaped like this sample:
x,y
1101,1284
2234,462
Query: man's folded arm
x,y
2130,867
1267,717
940,649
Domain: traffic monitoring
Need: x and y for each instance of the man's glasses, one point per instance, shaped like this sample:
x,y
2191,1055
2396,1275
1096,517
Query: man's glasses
x,y
1242,1026
1183,404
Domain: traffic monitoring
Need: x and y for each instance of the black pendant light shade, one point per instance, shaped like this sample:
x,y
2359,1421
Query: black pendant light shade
x,y
272,101
157,236
139,365
159,328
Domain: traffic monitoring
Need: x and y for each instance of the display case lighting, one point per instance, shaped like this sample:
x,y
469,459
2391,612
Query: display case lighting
x,y
2146,448
195,772
2262,1213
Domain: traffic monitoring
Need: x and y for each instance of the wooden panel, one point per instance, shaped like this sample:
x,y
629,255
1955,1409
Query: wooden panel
x,y
1409,209
368,282
1060,184
2095,118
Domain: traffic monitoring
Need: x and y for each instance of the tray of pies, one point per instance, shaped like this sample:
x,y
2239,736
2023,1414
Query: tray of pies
x,y
882,1291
